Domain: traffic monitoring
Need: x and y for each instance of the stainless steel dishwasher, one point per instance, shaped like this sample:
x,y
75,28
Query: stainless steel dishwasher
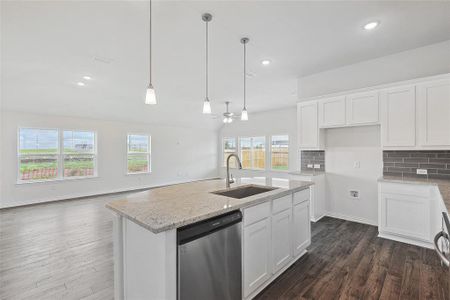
x,y
209,259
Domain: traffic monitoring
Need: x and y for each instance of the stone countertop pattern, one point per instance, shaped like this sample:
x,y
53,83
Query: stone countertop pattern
x,y
442,184
170,207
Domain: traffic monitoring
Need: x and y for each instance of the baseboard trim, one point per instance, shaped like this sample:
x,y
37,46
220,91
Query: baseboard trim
x,y
97,194
405,240
352,218
318,219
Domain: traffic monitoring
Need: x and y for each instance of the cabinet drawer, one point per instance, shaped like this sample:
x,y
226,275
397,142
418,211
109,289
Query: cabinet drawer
x,y
408,189
301,196
256,213
282,203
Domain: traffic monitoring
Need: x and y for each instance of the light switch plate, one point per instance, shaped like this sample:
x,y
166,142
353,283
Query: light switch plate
x,y
316,166
354,194
422,171
310,166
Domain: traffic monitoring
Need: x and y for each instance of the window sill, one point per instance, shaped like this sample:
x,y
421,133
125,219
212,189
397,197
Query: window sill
x,y
25,182
139,173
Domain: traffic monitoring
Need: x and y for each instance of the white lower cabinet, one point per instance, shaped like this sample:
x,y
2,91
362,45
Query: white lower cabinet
x,y
281,239
256,255
273,234
302,228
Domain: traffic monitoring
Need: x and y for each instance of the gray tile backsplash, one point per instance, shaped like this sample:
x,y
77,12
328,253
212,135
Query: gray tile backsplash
x,y
405,163
312,157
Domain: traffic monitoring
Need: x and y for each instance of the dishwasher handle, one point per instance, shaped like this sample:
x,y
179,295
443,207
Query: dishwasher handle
x,y
439,252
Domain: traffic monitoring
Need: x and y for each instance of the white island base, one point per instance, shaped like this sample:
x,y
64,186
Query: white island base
x,y
275,233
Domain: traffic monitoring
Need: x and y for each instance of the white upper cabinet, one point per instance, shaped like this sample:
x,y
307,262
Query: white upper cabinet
x,y
362,108
308,128
332,112
398,117
433,100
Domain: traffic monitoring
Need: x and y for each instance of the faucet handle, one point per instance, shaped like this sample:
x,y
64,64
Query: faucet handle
x,y
231,178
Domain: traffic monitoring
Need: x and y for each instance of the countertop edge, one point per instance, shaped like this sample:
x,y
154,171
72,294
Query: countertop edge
x,y
282,192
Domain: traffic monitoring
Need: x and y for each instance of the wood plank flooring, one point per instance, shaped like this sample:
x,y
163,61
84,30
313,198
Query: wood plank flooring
x,y
64,251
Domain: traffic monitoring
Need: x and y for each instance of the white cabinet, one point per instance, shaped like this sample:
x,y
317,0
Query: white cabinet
x,y
281,239
362,108
332,112
433,100
406,213
307,126
398,116
256,255
316,195
301,227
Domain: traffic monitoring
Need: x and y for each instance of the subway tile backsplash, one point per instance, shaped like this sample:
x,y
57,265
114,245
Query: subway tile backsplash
x,y
313,157
406,163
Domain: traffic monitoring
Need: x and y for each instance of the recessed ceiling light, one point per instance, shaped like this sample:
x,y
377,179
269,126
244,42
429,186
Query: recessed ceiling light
x,y
265,62
371,25
87,77
81,83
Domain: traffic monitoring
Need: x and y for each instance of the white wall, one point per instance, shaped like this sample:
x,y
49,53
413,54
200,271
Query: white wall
x,y
178,154
268,123
421,62
344,147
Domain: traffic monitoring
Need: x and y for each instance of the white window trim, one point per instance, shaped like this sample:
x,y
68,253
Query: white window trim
x,y
149,154
59,156
236,141
251,159
270,153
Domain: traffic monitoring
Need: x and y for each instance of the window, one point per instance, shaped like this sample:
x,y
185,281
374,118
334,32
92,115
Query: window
x,y
229,147
79,153
38,154
280,152
138,153
253,152
42,155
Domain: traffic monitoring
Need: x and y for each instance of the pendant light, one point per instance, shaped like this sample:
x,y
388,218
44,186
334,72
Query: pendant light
x,y
206,104
244,115
150,96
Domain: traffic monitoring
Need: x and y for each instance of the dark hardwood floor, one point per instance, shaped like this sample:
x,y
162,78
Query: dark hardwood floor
x,y
64,251
347,260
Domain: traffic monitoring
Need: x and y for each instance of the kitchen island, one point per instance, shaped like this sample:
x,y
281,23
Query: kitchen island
x,y
146,223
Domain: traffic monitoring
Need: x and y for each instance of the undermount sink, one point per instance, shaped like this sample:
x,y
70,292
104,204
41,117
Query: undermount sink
x,y
244,191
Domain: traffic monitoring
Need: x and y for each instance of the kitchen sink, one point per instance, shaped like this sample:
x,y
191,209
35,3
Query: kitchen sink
x,y
244,191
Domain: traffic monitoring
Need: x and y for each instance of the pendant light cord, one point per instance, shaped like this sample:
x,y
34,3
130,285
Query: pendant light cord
x,y
245,72
150,39
207,60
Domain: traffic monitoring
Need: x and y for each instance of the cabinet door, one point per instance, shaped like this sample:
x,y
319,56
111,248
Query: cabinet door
x,y
301,228
433,99
281,239
398,116
332,112
256,256
405,215
308,130
362,108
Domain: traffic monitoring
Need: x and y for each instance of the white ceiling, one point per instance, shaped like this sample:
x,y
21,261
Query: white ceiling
x,y
47,46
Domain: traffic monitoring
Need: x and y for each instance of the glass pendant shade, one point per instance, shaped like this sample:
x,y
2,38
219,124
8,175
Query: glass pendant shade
x,y
150,97
244,115
206,106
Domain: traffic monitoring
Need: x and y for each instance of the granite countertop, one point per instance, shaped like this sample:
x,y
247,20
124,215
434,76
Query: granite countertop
x,y
307,173
442,184
170,207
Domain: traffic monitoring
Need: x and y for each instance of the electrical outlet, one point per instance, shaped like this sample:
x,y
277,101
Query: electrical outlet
x,y
356,164
309,166
422,171
354,194
316,166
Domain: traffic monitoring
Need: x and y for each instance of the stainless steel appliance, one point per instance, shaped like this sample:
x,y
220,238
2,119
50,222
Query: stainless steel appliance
x,y
442,243
209,259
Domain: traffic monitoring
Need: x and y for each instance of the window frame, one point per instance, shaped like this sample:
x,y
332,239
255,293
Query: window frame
x,y
223,150
270,158
59,156
149,154
252,168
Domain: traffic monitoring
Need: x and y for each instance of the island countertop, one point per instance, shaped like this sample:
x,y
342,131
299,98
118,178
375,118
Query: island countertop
x,y
165,208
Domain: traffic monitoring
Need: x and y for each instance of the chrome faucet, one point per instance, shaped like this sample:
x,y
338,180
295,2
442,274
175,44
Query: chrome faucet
x,y
230,179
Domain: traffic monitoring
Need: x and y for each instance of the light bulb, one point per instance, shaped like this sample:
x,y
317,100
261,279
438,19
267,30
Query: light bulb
x,y
206,106
244,115
150,97
371,25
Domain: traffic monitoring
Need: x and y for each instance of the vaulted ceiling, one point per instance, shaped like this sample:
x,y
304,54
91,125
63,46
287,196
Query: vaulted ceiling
x,y
48,46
